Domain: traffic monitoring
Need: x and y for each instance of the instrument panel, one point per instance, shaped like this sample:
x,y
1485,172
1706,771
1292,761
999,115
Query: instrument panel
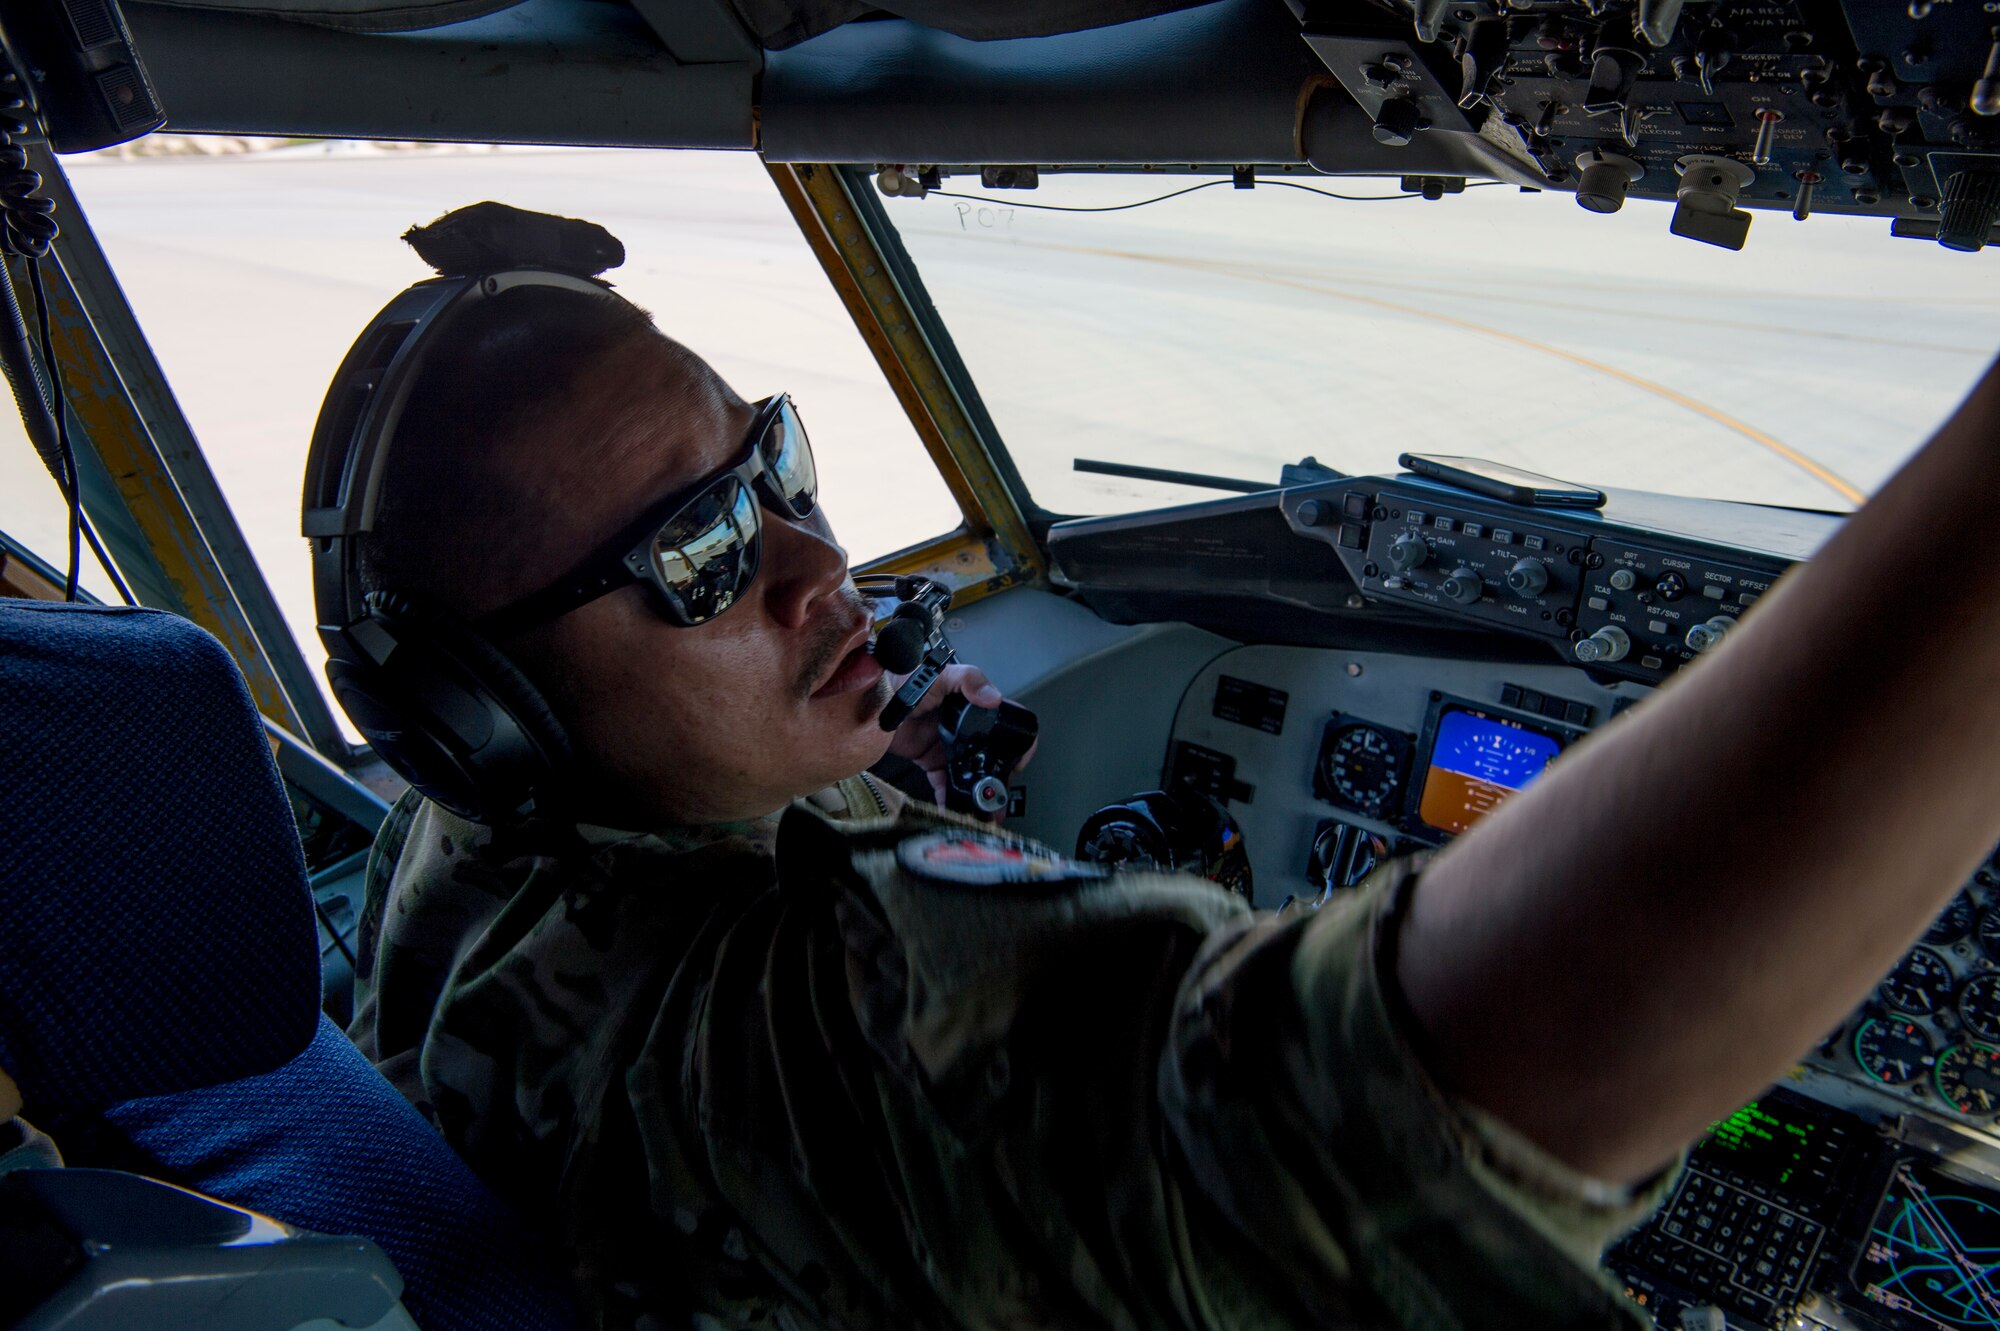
x,y
1423,651
1863,1192
1360,754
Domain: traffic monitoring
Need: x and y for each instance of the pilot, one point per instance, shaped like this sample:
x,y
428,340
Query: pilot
x,y
765,1045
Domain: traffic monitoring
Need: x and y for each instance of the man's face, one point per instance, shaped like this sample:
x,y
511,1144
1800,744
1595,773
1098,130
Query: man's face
x,y
773,699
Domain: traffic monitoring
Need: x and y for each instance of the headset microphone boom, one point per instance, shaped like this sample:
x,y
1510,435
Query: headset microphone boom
x,y
912,643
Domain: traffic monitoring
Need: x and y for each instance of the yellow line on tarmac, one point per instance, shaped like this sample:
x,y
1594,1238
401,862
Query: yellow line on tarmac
x,y
1818,472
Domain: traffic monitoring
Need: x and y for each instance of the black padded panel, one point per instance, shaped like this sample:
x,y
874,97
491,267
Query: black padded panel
x,y
781,23
1219,83
156,932
542,71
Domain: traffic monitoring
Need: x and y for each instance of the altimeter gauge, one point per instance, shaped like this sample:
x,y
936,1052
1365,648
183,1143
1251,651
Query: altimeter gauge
x,y
1893,1050
1979,1006
1968,1077
1362,767
1952,923
1989,933
1920,984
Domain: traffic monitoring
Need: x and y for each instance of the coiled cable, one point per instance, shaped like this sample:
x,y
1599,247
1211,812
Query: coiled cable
x,y
28,228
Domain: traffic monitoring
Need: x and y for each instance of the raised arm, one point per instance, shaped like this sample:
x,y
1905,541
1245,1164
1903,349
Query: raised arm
x,y
1651,934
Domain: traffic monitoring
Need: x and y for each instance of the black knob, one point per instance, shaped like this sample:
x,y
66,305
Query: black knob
x,y
1461,586
1528,577
1971,205
1604,180
1408,552
1398,122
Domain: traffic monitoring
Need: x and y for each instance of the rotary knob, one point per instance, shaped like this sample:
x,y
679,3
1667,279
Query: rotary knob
x,y
1461,585
1602,180
1408,551
1528,578
1609,643
1398,122
1623,579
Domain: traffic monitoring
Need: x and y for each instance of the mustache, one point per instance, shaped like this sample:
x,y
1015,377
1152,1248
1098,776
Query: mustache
x,y
836,628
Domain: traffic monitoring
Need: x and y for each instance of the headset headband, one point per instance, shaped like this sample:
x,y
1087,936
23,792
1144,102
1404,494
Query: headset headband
x,y
357,422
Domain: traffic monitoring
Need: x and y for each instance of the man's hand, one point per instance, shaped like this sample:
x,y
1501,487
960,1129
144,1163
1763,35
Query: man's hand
x,y
917,739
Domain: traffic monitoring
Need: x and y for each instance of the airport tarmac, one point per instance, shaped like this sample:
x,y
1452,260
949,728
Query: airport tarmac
x,y
1223,332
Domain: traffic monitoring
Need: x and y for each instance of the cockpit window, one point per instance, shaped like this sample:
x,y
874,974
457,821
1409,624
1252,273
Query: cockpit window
x,y
1229,331
252,272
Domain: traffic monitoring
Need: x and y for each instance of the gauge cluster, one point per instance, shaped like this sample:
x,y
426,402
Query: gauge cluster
x,y
1468,757
1335,761
1930,1035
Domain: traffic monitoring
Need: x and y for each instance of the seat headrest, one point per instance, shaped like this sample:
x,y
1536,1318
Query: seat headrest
x,y
156,930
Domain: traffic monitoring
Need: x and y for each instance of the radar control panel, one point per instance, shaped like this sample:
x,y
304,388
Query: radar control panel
x,y
1625,598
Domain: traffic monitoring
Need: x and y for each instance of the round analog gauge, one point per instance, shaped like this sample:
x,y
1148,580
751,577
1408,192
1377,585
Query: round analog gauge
x,y
1989,933
1979,1006
1893,1049
1952,924
1363,768
1920,984
1968,1077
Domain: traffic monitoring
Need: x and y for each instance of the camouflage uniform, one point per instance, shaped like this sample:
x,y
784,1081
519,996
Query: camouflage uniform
x,y
897,1071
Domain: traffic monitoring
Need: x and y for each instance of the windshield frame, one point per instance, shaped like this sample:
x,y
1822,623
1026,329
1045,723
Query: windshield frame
x,y
1003,540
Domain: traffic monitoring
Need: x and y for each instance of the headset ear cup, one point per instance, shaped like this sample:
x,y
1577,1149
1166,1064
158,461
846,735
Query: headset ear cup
x,y
450,713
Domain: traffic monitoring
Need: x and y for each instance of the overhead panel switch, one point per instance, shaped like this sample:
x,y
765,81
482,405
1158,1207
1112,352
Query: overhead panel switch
x,y
1603,179
1707,195
1971,206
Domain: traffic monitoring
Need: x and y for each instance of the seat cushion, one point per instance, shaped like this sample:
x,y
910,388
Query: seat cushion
x,y
158,932
325,1143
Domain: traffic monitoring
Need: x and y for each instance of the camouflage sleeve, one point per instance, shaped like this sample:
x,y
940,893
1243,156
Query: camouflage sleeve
x,y
861,796
949,1078
1303,1116
381,871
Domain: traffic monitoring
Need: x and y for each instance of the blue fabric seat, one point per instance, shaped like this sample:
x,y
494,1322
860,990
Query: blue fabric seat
x,y
159,985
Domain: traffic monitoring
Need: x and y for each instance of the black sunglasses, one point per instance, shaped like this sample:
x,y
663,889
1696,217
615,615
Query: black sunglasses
x,y
699,548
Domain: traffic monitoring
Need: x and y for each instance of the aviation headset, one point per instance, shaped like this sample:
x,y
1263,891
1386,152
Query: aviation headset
x,y
443,707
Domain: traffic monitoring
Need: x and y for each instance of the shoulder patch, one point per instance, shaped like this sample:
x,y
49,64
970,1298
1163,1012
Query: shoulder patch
x,y
987,859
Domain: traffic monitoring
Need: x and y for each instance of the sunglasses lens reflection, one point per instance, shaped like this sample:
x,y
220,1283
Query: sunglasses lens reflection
x,y
706,555
788,455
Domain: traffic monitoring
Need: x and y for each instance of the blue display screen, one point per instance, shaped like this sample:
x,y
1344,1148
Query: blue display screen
x,y
1477,761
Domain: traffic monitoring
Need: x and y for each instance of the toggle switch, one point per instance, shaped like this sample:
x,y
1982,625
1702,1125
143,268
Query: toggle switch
x,y
1613,71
